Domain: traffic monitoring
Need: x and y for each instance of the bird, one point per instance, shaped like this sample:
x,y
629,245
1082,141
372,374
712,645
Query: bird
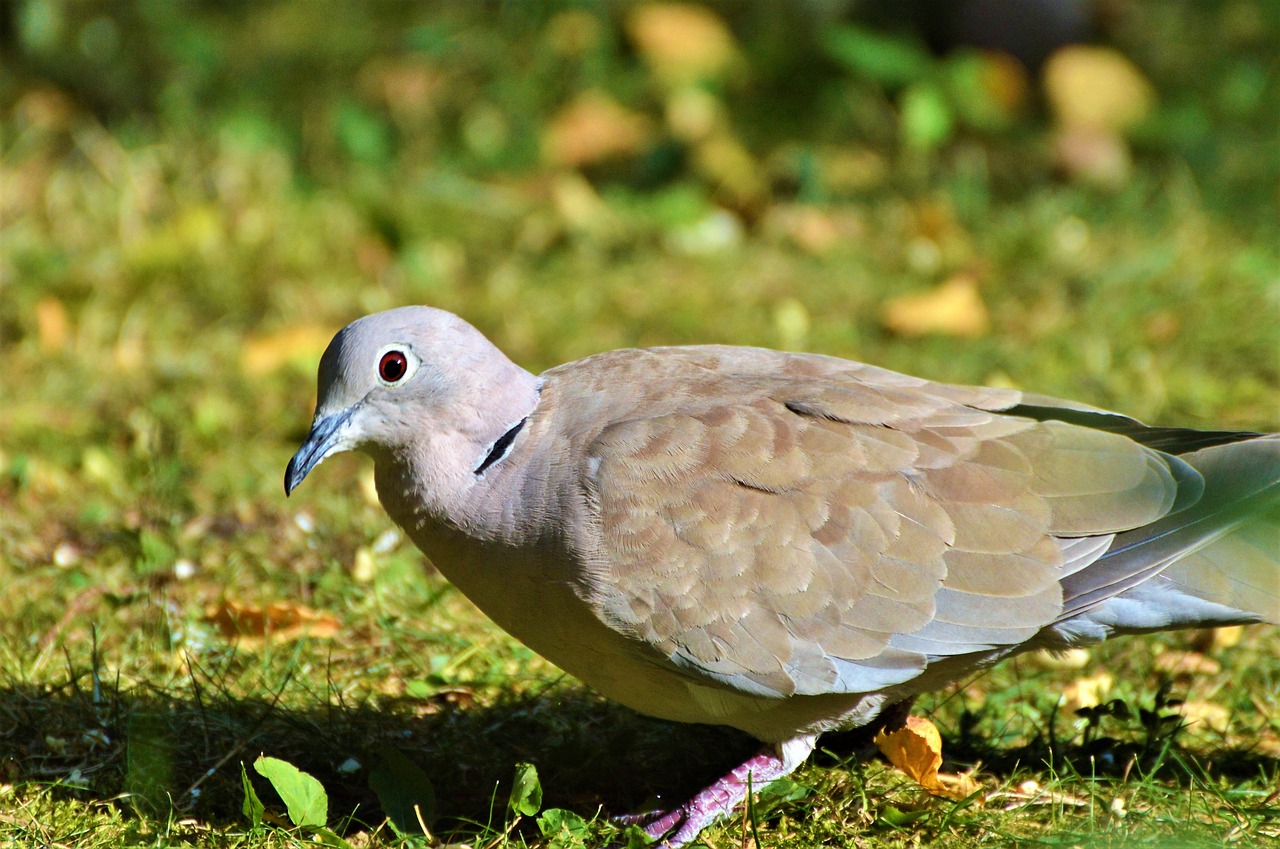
x,y
787,543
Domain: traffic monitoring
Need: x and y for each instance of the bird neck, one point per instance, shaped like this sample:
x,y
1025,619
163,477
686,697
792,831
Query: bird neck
x,y
456,477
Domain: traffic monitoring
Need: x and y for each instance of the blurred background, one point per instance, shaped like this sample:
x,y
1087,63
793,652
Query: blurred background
x,y
577,176
1078,198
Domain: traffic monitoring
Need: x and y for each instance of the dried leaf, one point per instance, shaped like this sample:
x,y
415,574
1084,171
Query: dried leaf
x,y
277,622
52,327
916,749
298,346
813,229
1086,692
594,128
1096,88
682,42
1179,662
1216,639
954,308
1206,715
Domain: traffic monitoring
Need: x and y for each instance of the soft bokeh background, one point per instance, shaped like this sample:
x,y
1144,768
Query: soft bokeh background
x,y
1078,198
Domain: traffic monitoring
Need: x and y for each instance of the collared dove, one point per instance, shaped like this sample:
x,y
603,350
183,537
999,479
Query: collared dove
x,y
787,543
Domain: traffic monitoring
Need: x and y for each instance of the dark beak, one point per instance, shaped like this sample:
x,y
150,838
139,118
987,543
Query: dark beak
x,y
320,443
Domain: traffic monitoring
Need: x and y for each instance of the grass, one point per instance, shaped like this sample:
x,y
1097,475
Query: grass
x,y
165,291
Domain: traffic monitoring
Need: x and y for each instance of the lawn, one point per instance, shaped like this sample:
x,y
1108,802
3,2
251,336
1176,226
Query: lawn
x,y
190,206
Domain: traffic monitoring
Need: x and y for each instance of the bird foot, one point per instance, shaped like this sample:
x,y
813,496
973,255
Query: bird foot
x,y
679,826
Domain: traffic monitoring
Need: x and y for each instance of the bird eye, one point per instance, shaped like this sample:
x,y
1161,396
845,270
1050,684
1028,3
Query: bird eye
x,y
393,366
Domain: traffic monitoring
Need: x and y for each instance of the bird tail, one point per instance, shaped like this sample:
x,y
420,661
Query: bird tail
x,y
1237,562
1213,560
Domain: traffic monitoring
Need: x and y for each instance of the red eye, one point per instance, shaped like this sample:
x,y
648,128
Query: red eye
x,y
392,366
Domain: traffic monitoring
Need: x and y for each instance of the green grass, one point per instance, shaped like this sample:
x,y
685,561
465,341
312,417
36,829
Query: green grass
x,y
166,286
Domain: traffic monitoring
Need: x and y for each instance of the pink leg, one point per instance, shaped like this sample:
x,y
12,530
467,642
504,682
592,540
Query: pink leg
x,y
681,825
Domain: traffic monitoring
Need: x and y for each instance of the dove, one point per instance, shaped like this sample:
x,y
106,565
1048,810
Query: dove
x,y
787,543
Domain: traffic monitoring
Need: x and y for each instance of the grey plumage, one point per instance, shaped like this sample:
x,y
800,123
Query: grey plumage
x,y
789,543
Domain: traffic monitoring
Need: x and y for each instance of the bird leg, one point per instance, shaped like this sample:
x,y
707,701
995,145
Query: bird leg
x,y
679,826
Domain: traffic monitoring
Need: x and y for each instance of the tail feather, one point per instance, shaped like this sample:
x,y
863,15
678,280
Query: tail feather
x,y
1222,548
1240,570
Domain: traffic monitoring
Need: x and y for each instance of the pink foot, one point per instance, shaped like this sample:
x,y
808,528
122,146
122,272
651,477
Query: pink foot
x,y
679,826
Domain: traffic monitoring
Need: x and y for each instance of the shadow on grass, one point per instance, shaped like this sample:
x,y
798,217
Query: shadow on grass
x,y
186,750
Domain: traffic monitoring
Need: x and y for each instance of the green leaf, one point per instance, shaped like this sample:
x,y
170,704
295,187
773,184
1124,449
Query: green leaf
x,y
303,795
782,790
560,826
900,818
526,791
252,807
403,790
927,118
362,133
154,553
326,837
887,59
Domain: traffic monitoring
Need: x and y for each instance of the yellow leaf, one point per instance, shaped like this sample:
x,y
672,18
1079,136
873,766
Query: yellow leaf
x,y
1190,663
300,346
681,42
954,308
1206,715
52,327
1216,639
1086,692
594,128
916,749
1096,88
255,625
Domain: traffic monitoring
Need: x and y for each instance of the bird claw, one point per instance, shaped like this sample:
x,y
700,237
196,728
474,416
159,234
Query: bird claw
x,y
679,826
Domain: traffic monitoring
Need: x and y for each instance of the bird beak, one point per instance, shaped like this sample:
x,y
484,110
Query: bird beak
x,y
325,438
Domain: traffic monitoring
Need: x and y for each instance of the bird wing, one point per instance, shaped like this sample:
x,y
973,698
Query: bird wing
x,y
807,528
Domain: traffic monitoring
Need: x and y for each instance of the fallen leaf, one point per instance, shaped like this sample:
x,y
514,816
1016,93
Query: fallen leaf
x,y
1086,692
277,622
813,229
916,749
954,308
1096,88
298,346
1215,639
52,327
1207,715
681,42
1179,662
693,114
593,128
